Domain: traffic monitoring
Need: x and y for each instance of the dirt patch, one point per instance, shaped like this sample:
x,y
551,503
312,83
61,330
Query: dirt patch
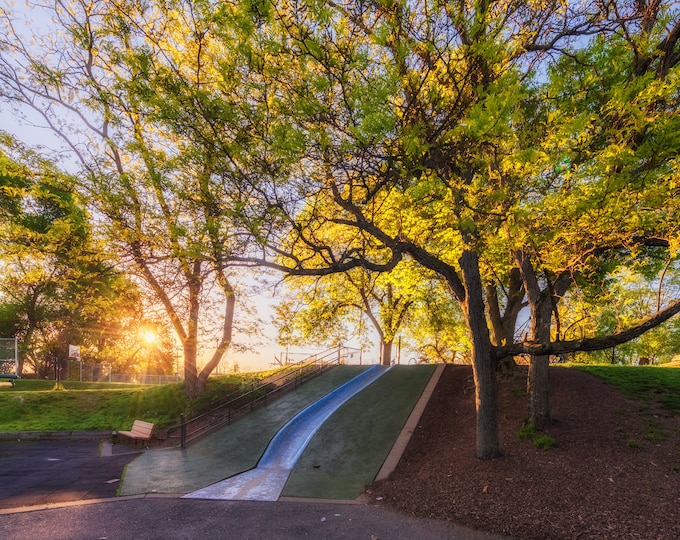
x,y
614,471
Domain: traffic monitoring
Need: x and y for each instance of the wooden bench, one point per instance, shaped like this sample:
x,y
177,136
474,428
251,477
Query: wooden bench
x,y
9,377
141,431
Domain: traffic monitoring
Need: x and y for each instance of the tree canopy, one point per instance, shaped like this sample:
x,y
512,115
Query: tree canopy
x,y
117,82
518,150
57,287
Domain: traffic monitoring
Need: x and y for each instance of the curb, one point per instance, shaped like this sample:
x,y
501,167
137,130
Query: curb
x,y
82,502
82,435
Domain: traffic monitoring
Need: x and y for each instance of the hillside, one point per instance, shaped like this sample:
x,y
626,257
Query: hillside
x,y
614,471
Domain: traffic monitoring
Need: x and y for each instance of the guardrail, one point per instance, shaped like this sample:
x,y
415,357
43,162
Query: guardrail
x,y
229,408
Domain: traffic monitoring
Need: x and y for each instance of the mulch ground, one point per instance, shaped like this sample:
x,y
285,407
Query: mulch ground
x,y
614,471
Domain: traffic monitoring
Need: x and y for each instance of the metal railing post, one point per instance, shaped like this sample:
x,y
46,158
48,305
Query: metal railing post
x,y
183,431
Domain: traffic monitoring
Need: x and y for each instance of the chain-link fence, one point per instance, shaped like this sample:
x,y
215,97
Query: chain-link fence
x,y
9,355
103,372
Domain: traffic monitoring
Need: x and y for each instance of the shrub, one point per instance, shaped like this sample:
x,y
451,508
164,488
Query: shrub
x,y
544,442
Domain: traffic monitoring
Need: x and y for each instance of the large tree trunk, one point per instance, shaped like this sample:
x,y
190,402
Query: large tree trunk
x,y
483,362
537,383
386,353
193,385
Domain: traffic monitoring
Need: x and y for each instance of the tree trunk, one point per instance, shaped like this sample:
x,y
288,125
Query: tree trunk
x,y
503,326
193,385
541,320
483,362
386,353
537,383
537,388
227,330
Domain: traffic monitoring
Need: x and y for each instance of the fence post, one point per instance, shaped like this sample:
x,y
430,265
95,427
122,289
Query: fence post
x,y
183,431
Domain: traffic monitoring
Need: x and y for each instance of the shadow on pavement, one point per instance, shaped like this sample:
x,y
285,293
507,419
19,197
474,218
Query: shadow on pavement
x,y
45,472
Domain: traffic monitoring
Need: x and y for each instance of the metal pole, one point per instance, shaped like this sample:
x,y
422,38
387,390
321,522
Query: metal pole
x,y
183,431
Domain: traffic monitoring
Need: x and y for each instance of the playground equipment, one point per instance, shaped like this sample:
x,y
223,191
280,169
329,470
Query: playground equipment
x,y
266,481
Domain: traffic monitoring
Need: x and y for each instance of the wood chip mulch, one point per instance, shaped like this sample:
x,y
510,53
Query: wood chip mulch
x,y
614,471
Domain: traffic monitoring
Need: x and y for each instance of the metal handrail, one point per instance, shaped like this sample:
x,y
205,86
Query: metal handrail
x,y
224,411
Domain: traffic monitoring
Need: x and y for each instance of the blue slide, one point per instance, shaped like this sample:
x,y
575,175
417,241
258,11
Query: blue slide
x,y
266,481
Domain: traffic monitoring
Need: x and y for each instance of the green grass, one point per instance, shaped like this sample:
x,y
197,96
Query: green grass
x,y
39,405
632,443
527,431
544,442
650,384
539,440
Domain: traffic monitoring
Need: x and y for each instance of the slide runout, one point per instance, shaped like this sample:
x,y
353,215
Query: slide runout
x,y
266,481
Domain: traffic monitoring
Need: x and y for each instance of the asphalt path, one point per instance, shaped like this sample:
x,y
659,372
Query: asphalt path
x,y
153,518
46,472
64,490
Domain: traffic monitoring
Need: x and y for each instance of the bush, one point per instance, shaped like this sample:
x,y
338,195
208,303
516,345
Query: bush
x,y
544,442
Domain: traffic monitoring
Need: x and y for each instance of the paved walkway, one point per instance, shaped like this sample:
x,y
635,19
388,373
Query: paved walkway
x,y
48,472
153,518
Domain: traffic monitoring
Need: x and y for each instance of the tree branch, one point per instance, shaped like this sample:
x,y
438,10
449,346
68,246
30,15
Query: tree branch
x,y
590,344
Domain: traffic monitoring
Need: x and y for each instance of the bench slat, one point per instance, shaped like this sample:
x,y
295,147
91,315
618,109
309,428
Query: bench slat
x,y
140,430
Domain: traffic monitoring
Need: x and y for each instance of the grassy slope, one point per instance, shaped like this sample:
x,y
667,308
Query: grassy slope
x,y
646,383
35,405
